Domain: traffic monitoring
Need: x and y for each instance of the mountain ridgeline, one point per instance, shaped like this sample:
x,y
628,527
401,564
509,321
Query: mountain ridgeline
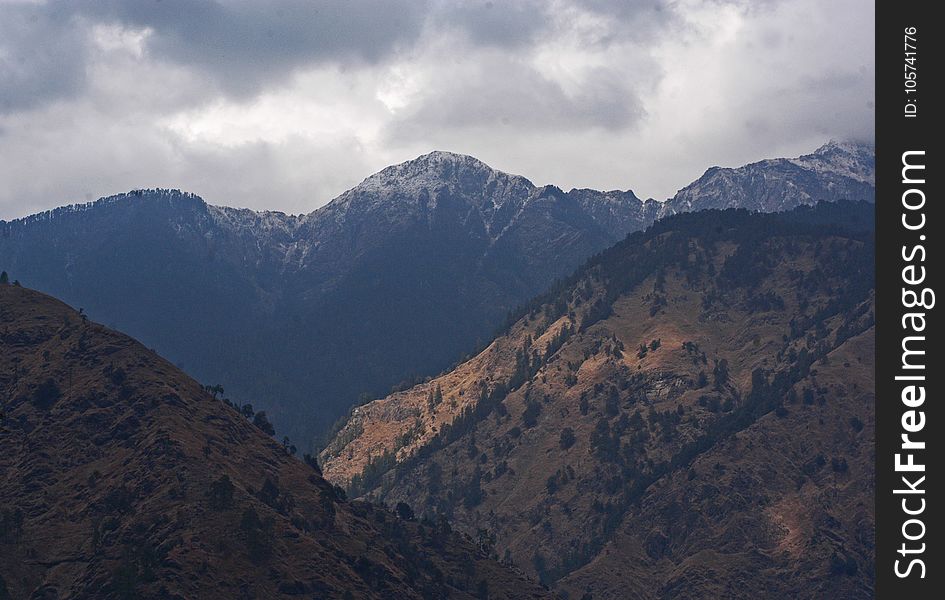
x,y
395,279
122,478
689,415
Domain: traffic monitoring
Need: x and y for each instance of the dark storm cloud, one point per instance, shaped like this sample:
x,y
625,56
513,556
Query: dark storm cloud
x,y
285,103
243,46
637,17
502,24
42,56
240,47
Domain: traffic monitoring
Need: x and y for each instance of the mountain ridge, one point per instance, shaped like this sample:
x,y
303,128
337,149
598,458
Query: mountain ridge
x,y
692,407
419,169
124,478
836,170
402,274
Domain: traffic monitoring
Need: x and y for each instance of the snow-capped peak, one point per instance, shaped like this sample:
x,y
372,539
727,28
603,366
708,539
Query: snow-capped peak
x,y
854,160
436,169
418,186
846,147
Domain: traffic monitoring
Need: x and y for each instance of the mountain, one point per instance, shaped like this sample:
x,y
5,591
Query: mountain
x,y
396,279
301,314
835,171
689,415
120,477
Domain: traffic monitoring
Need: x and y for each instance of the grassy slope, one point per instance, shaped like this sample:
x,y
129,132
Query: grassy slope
x,y
112,474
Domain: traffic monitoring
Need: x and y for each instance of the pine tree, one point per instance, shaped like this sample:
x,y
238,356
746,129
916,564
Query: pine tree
x,y
261,421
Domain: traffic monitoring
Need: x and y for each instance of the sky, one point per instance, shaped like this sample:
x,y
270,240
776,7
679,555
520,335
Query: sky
x,y
284,104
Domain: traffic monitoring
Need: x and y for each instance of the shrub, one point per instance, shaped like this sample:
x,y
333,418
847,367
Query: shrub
x,y
530,415
703,380
842,564
262,422
269,493
220,494
11,523
472,493
405,512
119,500
808,396
567,438
720,373
258,535
46,395
117,376
603,444
612,404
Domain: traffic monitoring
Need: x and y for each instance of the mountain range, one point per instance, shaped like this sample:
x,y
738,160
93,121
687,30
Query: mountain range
x,y
689,415
394,280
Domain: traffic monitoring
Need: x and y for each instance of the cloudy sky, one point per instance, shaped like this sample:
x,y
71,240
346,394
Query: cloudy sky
x,y
284,104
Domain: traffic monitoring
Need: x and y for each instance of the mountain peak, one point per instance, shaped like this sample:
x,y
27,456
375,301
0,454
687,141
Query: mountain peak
x,y
836,170
441,156
845,146
439,168
419,185
851,160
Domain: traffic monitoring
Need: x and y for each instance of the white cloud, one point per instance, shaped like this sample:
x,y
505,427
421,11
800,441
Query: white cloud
x,y
583,93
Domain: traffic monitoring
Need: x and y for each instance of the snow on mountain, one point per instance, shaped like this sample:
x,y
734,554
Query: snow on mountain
x,y
396,277
847,159
420,186
494,200
835,171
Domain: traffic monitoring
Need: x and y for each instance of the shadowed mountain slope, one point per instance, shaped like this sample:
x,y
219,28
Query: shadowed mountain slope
x,y
120,477
397,278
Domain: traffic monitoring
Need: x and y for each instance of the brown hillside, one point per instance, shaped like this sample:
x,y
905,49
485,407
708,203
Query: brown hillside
x,y
122,478
703,429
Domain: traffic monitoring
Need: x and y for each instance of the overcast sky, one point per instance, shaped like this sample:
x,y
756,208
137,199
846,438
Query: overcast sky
x,y
285,104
